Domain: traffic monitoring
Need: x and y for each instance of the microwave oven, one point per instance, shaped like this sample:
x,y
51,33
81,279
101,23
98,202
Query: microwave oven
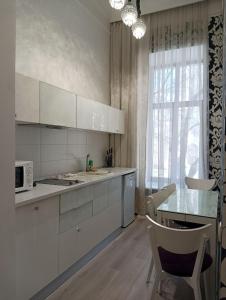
x,y
23,176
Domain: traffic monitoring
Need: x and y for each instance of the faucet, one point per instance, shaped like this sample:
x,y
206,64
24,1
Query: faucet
x,y
87,162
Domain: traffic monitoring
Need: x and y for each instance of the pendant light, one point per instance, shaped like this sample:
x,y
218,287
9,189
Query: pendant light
x,y
117,4
129,14
139,28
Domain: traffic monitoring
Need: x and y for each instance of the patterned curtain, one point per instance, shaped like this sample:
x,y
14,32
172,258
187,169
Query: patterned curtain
x,y
216,113
215,28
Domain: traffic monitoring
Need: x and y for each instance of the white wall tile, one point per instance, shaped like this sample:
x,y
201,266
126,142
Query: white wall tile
x,y
53,152
50,136
76,137
76,151
56,151
28,152
37,170
27,135
52,168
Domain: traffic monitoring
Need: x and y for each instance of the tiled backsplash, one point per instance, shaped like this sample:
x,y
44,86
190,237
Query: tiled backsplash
x,y
56,151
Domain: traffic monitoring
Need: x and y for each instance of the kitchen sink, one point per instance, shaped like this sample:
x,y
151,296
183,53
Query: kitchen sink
x,y
62,182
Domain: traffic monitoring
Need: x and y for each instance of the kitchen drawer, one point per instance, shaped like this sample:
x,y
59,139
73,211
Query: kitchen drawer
x,y
115,191
100,201
75,216
74,199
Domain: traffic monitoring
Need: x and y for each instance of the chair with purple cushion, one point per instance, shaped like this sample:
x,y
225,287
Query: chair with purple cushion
x,y
180,253
154,200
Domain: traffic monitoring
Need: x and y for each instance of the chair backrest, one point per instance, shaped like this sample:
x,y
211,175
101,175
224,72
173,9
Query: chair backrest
x,y
155,199
169,189
200,184
178,241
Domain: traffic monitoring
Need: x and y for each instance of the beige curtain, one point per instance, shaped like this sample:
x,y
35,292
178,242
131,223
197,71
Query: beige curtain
x,y
130,91
129,86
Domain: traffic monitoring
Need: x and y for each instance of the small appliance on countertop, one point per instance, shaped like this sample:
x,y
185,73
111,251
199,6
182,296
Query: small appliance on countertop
x,y
23,176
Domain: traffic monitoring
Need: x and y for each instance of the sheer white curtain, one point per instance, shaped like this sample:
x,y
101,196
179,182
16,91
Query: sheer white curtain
x,y
176,138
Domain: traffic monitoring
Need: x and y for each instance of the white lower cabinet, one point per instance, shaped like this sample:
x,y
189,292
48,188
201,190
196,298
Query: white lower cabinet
x,y
86,230
36,246
55,233
68,250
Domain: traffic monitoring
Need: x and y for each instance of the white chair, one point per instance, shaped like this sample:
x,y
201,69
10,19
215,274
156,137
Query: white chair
x,y
180,253
200,184
154,201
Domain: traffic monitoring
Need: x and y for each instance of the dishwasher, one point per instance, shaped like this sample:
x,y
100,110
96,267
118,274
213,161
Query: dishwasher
x,y
128,199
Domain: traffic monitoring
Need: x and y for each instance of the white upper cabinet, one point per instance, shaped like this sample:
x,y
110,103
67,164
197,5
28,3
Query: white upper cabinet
x,y
26,99
39,102
57,106
91,115
116,120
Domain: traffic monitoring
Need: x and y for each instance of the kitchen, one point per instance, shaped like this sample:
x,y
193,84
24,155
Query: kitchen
x,y
75,123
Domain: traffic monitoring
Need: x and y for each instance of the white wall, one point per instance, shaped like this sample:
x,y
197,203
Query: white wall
x,y
65,43
7,174
56,151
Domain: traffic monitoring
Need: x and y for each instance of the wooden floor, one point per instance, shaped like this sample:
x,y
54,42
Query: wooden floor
x,y
117,273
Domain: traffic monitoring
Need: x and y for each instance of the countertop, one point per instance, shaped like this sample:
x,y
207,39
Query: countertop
x,y
43,191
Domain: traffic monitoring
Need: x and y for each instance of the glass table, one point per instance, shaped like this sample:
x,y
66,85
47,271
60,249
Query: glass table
x,y
196,206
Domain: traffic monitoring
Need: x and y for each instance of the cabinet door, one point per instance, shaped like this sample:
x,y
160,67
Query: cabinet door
x,y
68,249
91,115
121,122
36,246
116,120
57,106
26,99
97,228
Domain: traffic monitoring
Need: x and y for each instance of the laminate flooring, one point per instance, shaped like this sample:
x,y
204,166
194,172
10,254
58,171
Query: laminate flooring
x,y
118,272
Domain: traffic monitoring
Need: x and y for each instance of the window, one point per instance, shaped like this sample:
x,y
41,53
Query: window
x,y
176,117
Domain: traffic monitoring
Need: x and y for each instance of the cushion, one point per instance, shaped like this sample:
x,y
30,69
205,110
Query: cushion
x,y
181,265
189,225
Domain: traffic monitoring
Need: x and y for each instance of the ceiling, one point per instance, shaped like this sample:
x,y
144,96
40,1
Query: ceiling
x,y
104,13
150,6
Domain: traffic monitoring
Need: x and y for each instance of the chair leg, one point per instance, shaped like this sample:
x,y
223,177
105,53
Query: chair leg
x,y
150,271
197,292
155,286
205,285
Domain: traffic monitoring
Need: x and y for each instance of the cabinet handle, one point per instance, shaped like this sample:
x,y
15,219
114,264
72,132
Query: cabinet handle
x,y
78,228
36,208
